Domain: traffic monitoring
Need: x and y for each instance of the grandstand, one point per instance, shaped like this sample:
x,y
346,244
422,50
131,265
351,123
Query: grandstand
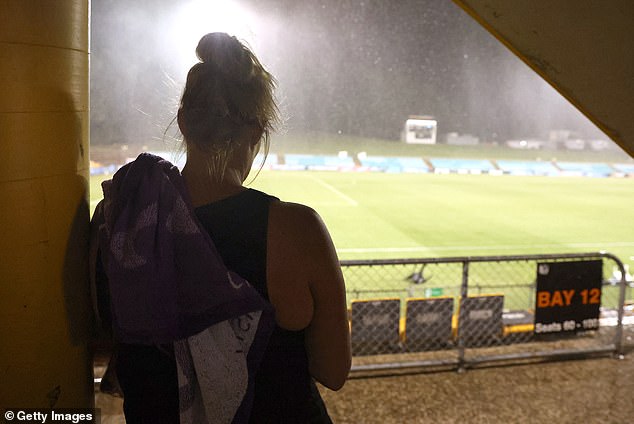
x,y
265,162
97,168
324,152
461,166
585,169
406,164
627,169
393,164
516,167
297,162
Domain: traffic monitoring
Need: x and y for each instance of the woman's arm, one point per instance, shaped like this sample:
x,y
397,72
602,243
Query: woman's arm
x,y
304,260
328,335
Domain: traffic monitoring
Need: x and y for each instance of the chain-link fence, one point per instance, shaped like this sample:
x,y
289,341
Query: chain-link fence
x,y
461,312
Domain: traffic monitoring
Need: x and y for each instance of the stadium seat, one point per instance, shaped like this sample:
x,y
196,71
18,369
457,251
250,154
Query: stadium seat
x,y
394,164
316,162
516,167
585,169
428,323
624,168
374,326
480,320
443,165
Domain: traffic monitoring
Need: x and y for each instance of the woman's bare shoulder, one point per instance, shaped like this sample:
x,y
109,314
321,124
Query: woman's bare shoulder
x,y
299,231
296,210
290,217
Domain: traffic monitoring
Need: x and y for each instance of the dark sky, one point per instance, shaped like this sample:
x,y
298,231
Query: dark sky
x,y
351,67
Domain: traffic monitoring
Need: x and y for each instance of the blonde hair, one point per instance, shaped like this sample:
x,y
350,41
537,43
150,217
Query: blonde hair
x,y
226,92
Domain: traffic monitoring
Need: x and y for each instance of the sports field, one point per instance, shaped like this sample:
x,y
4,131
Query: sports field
x,y
379,215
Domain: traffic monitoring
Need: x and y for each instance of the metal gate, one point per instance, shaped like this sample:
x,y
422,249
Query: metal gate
x,y
462,312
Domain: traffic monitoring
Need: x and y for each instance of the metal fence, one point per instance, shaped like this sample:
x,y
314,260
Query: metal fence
x,y
462,312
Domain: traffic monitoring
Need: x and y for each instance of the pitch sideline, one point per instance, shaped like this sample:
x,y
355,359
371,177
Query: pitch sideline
x,y
483,247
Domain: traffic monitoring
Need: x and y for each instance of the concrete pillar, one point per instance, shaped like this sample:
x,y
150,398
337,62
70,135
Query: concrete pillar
x,y
44,131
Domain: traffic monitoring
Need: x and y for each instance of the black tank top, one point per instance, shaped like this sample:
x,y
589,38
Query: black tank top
x,y
284,389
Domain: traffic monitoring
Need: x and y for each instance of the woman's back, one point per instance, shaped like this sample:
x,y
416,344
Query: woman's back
x,y
226,113
284,389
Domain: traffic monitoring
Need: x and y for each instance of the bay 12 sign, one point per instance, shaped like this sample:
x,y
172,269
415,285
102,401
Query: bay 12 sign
x,y
568,296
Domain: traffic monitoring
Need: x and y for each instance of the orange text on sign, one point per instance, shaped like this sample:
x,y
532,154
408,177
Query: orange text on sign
x,y
565,297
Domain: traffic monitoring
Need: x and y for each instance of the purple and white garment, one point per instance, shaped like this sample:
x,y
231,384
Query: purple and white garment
x,y
168,284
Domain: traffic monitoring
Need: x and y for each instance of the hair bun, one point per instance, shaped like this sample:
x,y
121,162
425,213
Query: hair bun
x,y
227,91
226,55
208,46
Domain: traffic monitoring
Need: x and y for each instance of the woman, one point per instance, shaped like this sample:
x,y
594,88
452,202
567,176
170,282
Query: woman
x,y
283,249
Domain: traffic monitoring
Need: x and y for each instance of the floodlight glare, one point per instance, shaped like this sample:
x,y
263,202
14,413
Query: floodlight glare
x,y
199,17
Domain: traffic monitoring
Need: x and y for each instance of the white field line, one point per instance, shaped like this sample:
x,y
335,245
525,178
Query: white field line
x,y
349,200
484,247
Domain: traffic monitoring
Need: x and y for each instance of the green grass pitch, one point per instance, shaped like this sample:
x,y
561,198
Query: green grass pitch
x,y
382,216
377,215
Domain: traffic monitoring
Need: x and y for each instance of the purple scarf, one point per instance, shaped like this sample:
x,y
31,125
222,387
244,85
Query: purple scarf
x,y
167,280
168,284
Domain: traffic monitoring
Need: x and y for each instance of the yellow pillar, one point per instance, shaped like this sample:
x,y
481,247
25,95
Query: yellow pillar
x,y
44,167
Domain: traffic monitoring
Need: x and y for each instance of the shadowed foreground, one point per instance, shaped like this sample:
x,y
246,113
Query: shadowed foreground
x,y
580,391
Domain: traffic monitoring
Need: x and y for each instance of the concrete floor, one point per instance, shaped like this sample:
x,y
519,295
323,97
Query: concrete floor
x,y
581,391
576,391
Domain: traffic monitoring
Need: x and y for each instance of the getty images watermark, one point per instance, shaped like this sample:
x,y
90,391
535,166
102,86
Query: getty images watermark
x,y
57,416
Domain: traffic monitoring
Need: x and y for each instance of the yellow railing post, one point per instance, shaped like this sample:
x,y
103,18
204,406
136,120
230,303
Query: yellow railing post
x,y
44,138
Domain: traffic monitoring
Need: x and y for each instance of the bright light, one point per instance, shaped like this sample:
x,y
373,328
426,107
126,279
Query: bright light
x,y
199,17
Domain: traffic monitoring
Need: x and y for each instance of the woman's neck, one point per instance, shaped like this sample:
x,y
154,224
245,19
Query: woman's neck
x,y
203,189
